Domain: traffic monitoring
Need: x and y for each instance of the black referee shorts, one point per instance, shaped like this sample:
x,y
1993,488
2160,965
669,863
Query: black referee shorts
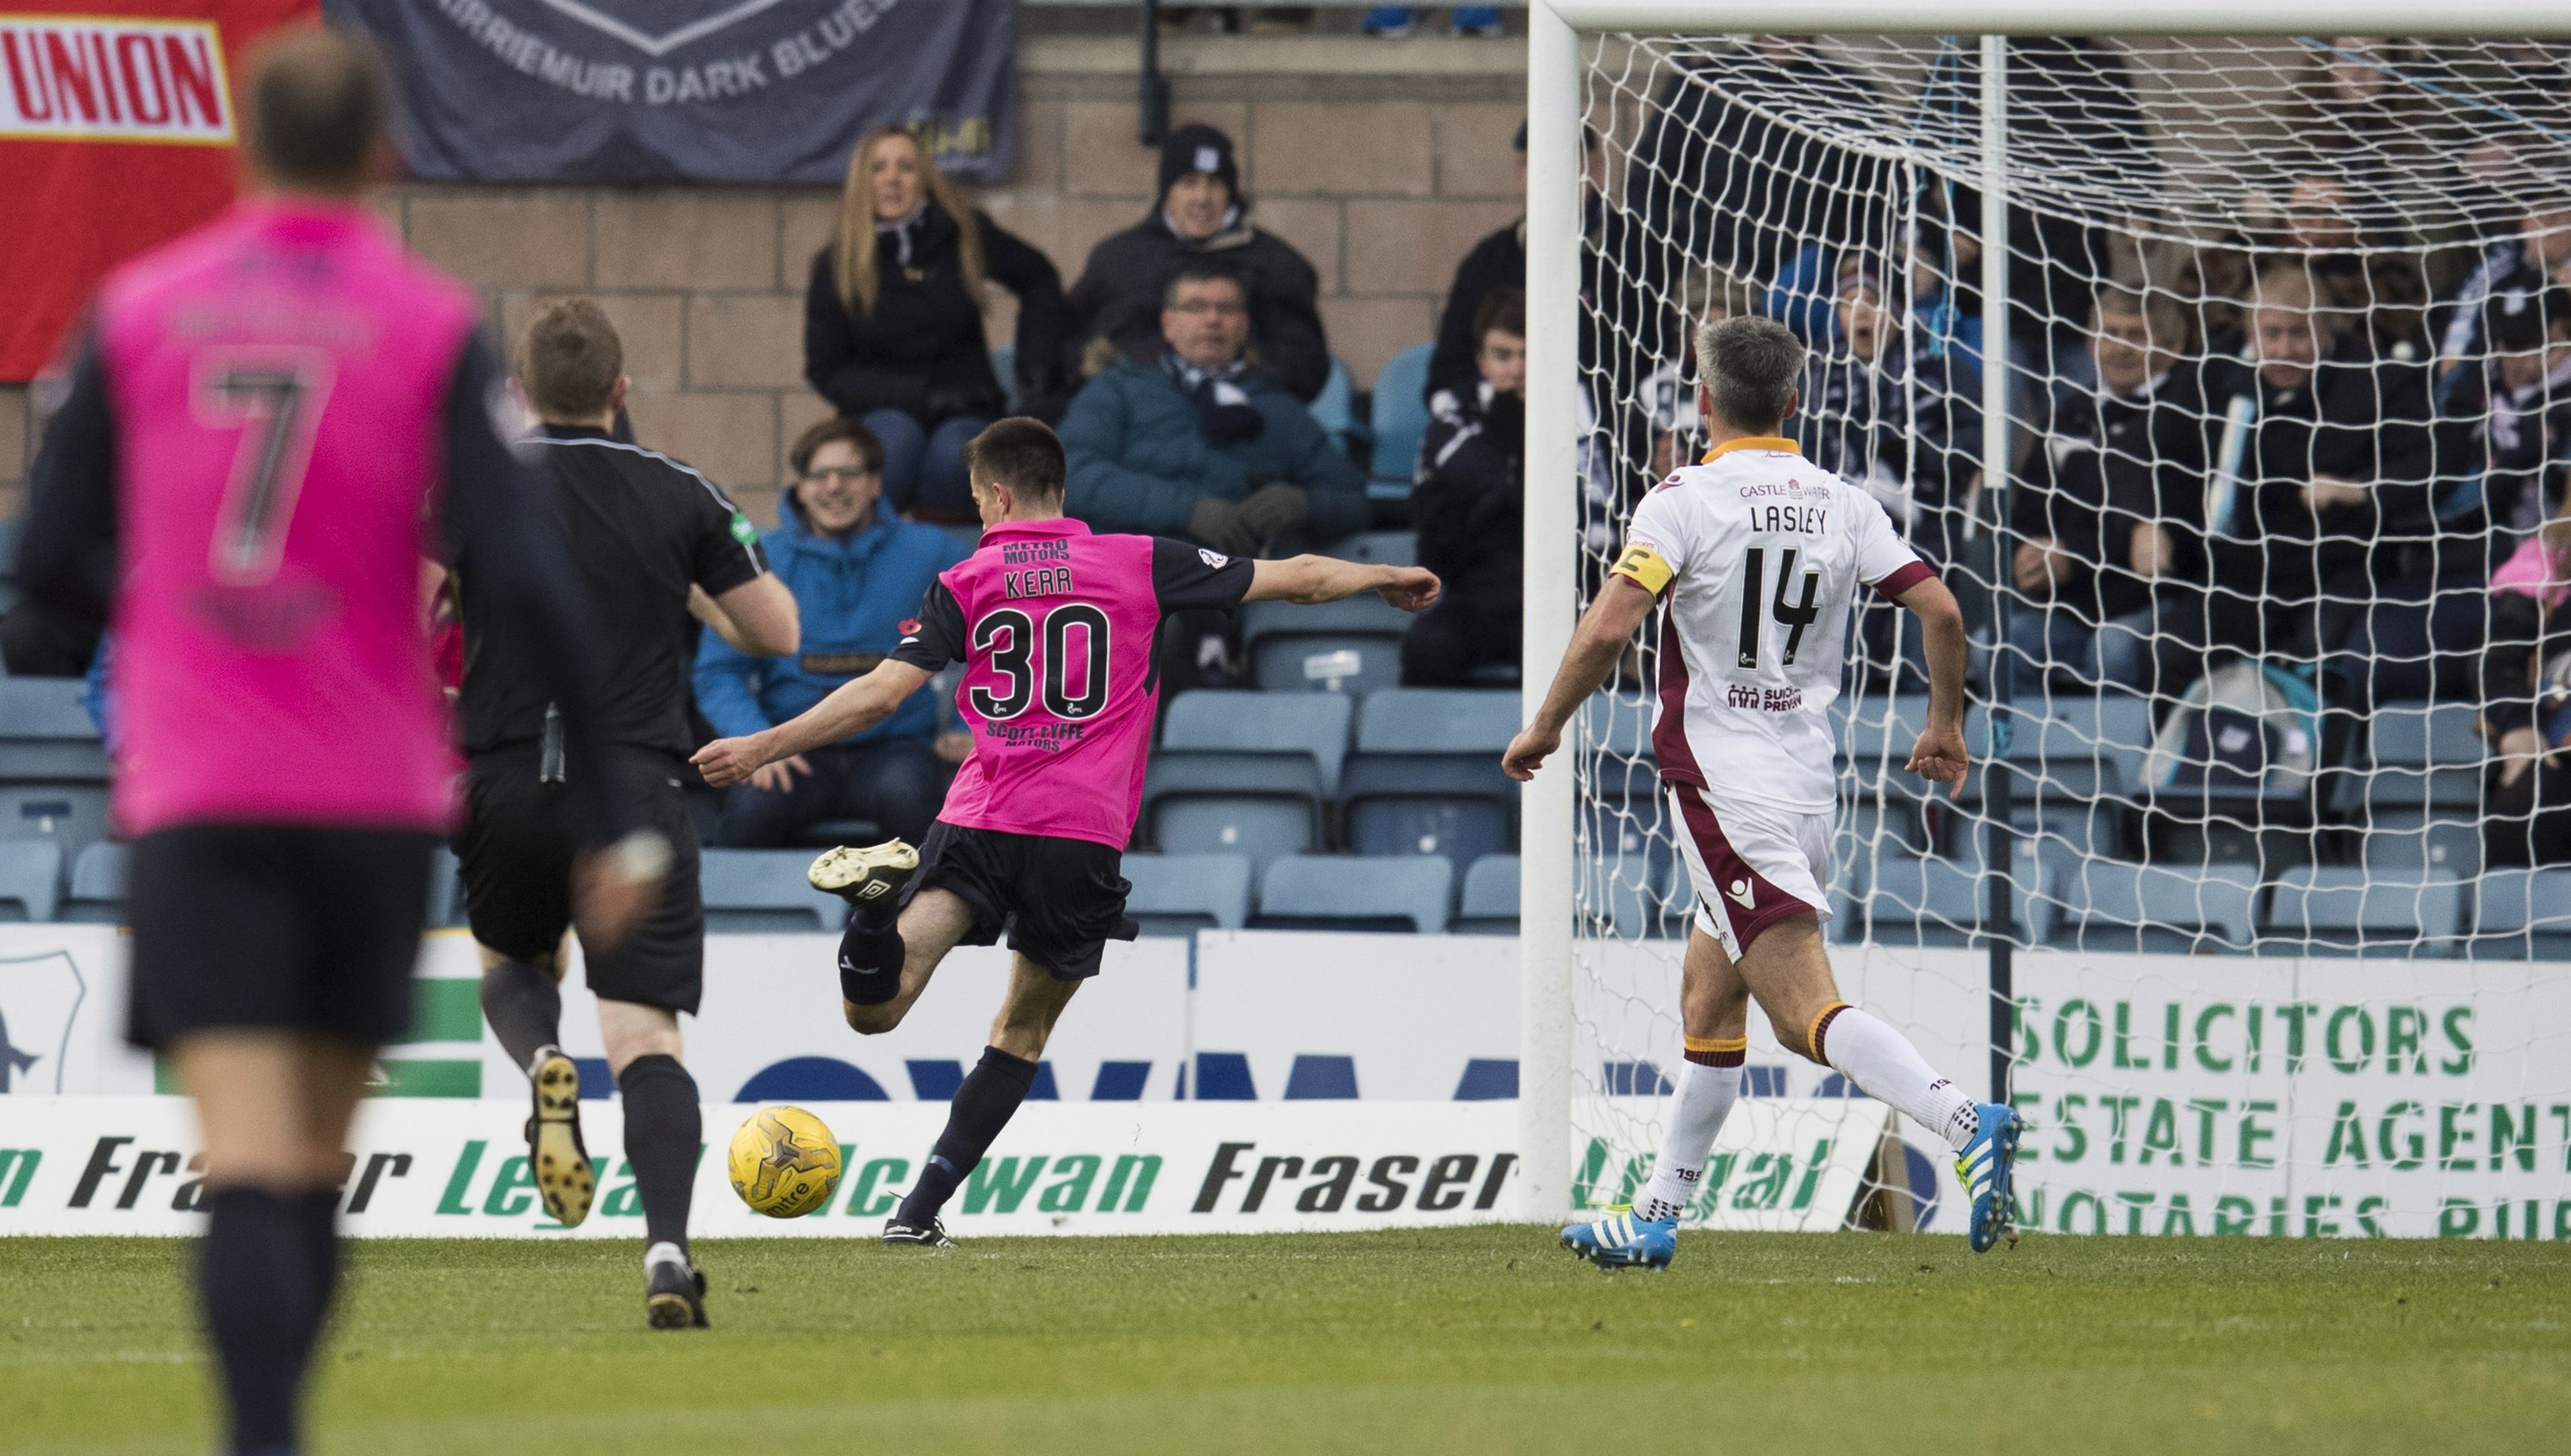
x,y
291,927
516,849
1061,900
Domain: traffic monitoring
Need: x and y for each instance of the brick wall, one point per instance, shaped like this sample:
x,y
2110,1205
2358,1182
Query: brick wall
x,y
1383,164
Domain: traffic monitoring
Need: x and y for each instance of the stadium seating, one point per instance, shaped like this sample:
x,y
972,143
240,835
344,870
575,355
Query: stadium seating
x,y
1378,548
98,887
1491,901
2104,904
53,770
1317,723
31,878
1180,894
1427,779
1352,646
1400,418
1356,892
2522,914
1900,899
2346,910
1261,806
764,890
1334,409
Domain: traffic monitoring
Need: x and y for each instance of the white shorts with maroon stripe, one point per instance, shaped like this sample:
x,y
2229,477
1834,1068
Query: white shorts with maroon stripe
x,y
1753,864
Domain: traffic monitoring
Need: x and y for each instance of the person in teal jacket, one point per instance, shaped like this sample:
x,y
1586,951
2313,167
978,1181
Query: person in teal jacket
x,y
858,572
1198,442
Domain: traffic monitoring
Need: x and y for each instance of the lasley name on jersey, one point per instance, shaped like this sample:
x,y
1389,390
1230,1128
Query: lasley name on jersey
x,y
1811,520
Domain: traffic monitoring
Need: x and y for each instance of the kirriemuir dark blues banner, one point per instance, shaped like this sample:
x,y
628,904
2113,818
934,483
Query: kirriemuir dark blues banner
x,y
697,89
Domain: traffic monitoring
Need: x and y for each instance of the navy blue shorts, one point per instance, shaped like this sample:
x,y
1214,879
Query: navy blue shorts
x,y
1061,900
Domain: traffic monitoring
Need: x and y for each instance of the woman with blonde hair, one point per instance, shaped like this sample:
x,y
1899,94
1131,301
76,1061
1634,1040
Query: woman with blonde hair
x,y
892,321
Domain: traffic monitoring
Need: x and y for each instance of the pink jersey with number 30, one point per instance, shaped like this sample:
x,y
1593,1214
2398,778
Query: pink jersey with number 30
x,y
279,381
1057,630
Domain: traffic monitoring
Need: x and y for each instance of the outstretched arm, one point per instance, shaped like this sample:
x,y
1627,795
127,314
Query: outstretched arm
x,y
1315,579
1940,755
1596,642
852,707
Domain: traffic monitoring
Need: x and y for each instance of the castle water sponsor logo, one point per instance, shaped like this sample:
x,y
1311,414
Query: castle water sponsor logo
x,y
105,79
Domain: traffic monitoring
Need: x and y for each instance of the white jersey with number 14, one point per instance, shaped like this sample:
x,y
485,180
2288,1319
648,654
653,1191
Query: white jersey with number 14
x,y
1757,555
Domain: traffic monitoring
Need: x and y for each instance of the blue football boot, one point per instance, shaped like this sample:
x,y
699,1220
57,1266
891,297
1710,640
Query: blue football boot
x,y
1621,1242
1983,1169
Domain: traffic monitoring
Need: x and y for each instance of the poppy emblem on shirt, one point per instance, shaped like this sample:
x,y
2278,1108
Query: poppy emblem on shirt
x,y
910,627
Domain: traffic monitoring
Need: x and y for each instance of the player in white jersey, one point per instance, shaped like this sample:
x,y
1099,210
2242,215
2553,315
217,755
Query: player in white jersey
x,y
1755,557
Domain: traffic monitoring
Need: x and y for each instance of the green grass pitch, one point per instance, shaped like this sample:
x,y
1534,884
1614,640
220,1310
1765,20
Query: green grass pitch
x,y
1479,1340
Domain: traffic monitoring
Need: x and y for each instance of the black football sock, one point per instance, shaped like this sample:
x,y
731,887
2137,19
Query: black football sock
x,y
871,961
524,1006
664,1136
264,1302
318,1211
983,1105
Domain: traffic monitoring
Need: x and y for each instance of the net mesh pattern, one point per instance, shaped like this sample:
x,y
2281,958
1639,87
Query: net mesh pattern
x,y
2266,603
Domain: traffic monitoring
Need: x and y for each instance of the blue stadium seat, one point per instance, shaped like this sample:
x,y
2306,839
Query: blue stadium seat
x,y
1180,894
98,887
2106,904
1491,901
1262,805
1339,647
2078,749
1400,418
1262,722
1004,366
1903,899
2410,840
2522,914
2420,757
2344,909
1356,893
1378,548
31,878
72,815
1427,779
46,732
1334,409
752,891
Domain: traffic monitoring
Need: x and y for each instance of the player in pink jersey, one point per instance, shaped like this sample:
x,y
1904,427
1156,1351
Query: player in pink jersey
x,y
263,432
1056,627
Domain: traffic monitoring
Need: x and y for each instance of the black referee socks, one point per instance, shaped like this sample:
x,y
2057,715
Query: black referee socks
x,y
871,961
983,1105
266,1269
664,1136
524,1006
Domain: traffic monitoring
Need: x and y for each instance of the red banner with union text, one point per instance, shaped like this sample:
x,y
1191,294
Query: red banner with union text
x,y
116,125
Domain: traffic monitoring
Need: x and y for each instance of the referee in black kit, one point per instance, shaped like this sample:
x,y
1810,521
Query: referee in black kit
x,y
654,543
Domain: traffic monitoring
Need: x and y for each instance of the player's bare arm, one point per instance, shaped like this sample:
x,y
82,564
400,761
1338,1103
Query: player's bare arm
x,y
851,709
758,618
1940,755
1311,580
1600,638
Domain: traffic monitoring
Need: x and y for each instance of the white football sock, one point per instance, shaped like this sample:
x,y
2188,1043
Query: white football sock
x,y
664,1253
1884,1063
1697,1111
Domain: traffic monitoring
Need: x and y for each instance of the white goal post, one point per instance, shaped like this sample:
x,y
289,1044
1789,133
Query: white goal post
x,y
1563,37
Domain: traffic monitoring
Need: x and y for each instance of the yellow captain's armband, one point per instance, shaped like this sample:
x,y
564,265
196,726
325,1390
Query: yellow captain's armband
x,y
1645,566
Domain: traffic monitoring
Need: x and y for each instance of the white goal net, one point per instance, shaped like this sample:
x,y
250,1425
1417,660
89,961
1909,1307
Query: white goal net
x,y
2263,555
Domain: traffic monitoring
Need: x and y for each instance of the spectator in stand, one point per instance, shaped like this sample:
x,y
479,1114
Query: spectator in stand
x,y
1468,503
1901,421
857,573
2538,257
2098,562
1202,217
892,323
1498,261
2319,460
1194,439
2516,404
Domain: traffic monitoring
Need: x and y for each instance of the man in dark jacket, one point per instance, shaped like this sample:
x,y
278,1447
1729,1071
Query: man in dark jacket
x,y
1498,261
2319,462
1468,500
1191,439
2103,548
1901,420
1202,217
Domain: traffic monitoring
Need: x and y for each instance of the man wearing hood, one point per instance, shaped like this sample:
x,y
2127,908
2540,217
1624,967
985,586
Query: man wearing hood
x,y
1201,217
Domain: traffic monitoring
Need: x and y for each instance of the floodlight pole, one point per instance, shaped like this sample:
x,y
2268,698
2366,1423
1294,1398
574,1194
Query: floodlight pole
x,y
1999,930
1552,601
